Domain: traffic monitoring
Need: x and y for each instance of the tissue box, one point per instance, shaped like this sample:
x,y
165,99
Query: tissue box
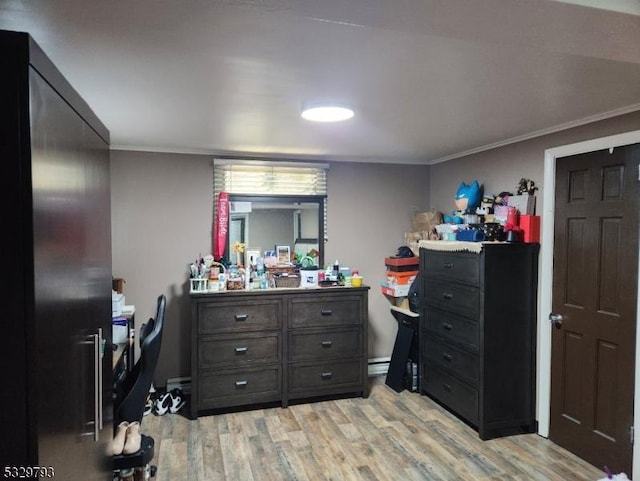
x,y
119,329
117,304
308,278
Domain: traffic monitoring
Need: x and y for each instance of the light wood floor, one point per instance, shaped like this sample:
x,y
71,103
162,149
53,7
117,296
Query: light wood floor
x,y
387,437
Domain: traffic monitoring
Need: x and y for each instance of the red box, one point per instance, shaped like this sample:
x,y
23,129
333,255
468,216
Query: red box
x,y
530,225
401,261
401,278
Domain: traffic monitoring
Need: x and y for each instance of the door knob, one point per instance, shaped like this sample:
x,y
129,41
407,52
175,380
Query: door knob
x,y
556,319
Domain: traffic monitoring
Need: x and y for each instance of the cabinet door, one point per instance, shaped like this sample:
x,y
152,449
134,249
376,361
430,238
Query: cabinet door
x,y
72,274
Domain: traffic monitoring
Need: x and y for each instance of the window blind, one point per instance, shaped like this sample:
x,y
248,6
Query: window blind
x,y
269,178
259,177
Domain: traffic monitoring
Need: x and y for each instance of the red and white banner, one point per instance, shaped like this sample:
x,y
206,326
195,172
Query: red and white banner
x,y
222,226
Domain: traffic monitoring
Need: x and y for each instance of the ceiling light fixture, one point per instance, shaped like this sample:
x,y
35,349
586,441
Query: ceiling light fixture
x,y
327,113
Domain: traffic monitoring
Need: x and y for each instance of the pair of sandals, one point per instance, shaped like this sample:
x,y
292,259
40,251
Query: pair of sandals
x,y
161,403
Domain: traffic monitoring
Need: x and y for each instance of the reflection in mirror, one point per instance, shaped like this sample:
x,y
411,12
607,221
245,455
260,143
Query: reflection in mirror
x,y
274,223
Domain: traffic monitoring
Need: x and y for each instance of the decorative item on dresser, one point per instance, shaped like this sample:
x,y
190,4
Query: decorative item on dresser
x,y
478,332
277,345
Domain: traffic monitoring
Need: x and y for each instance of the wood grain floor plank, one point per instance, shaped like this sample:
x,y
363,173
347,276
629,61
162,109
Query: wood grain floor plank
x,y
387,437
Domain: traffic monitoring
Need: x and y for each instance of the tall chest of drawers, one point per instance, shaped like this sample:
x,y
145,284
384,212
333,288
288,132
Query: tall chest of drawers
x,y
277,345
478,334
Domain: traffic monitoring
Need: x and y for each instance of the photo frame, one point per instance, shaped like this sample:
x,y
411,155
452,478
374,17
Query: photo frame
x,y
251,256
284,254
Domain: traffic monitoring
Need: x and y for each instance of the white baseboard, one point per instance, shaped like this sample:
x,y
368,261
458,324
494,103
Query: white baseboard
x,y
378,366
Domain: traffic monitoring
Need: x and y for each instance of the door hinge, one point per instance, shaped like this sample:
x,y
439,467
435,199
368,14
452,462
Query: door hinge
x,y
631,435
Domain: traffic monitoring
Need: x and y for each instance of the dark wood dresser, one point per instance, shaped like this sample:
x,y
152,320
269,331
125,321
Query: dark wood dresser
x,y
277,345
478,335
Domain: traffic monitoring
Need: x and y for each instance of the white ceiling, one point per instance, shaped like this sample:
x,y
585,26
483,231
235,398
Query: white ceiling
x,y
429,79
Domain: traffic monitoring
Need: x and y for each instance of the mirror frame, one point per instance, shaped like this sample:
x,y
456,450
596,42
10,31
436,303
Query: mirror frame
x,y
318,199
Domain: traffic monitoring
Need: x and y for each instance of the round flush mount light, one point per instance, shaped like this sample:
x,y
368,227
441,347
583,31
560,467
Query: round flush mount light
x,y
327,113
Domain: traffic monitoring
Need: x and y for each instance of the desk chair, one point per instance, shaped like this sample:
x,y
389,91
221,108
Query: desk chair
x,y
130,405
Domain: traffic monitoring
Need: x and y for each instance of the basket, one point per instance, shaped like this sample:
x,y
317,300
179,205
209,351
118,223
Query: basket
x,y
287,281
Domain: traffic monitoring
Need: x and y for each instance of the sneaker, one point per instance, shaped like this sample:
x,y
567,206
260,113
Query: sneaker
x,y
149,403
162,404
177,400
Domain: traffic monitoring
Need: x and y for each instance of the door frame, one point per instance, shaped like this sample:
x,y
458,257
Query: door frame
x,y
545,285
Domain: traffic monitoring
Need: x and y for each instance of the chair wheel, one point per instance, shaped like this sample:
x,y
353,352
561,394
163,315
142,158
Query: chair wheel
x,y
152,471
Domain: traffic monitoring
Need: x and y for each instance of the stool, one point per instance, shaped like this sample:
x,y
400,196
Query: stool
x,y
136,466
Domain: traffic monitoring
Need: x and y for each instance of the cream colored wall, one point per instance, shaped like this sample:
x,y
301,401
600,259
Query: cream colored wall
x,y
370,207
162,216
500,169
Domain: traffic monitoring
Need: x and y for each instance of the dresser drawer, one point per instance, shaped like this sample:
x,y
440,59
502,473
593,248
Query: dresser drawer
x,y
455,394
463,267
321,311
455,298
231,349
463,364
239,386
453,328
327,376
324,344
242,315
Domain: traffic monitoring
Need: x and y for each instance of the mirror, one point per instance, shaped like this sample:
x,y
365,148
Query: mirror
x,y
281,225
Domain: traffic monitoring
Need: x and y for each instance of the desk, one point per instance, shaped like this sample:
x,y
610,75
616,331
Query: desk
x,y
405,348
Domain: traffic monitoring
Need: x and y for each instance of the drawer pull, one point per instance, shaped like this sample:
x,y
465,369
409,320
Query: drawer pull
x,y
447,357
326,375
447,387
447,326
241,384
242,317
447,295
448,265
241,350
326,343
325,312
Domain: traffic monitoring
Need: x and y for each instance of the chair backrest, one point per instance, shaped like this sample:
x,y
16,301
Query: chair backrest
x,y
137,384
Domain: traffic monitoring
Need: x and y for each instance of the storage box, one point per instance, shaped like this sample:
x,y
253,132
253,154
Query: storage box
x,y
530,225
401,278
402,263
394,290
526,204
117,304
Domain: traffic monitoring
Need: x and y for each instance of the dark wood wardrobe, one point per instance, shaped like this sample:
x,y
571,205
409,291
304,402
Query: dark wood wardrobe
x,y
55,327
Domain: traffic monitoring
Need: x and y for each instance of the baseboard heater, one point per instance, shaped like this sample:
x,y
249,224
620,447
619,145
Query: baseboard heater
x,y
182,383
378,366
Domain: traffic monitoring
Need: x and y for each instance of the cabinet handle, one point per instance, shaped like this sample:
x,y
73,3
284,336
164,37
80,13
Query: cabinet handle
x,y
448,265
241,350
447,326
447,295
241,383
447,357
447,387
326,343
241,317
326,375
325,312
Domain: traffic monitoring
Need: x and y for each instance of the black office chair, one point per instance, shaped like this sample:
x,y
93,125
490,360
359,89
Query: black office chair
x,y
129,406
